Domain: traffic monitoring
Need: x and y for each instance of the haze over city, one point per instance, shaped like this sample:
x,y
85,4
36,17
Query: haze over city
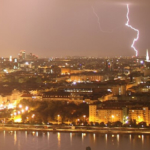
x,y
71,28
74,74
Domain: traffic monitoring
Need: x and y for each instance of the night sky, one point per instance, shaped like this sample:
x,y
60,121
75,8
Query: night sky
x,y
58,28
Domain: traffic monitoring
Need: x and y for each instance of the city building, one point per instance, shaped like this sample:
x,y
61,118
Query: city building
x,y
121,114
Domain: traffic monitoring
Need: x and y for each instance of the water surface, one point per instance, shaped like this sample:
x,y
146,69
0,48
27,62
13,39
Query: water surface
x,y
28,140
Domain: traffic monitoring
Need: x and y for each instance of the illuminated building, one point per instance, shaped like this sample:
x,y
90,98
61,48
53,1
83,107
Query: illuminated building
x,y
105,114
10,58
119,90
139,115
86,77
22,54
31,56
17,118
92,113
15,60
109,115
49,70
124,115
31,97
60,95
70,70
147,62
65,70
147,56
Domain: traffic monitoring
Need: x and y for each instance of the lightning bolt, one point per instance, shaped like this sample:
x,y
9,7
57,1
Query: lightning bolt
x,y
99,24
135,39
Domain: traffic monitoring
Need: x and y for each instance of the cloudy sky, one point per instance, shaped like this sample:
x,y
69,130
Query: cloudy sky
x,y
73,27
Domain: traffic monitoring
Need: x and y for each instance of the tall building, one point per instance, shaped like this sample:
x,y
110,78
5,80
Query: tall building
x,y
147,61
147,56
10,58
22,54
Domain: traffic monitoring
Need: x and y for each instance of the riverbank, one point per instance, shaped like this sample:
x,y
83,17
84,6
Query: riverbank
x,y
76,130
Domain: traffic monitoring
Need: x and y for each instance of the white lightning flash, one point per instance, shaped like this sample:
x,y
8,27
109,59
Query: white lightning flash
x,y
99,24
135,39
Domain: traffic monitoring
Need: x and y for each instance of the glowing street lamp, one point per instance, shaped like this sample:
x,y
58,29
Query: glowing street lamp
x,y
20,106
112,117
26,108
84,116
33,115
58,119
77,121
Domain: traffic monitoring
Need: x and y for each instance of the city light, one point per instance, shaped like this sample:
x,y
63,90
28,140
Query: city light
x,y
33,115
58,119
84,116
84,91
20,106
26,108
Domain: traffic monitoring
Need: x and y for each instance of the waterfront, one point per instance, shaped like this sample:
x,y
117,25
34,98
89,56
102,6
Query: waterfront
x,y
38,140
74,129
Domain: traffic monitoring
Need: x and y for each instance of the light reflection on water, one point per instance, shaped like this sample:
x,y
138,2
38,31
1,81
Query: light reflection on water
x,y
71,138
15,137
94,137
48,135
22,140
58,138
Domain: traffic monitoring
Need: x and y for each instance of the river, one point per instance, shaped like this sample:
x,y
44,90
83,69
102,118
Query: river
x,y
30,140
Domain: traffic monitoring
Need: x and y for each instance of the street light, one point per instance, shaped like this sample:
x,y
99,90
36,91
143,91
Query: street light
x,y
84,116
33,115
26,108
112,117
58,119
20,106
77,121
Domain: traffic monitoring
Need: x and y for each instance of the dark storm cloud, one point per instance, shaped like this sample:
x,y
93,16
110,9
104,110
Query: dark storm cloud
x,y
70,27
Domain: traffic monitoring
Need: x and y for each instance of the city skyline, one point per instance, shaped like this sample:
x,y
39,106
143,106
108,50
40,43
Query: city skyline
x,y
73,28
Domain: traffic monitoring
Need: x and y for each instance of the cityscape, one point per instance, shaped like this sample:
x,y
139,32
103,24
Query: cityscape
x,y
74,75
75,90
